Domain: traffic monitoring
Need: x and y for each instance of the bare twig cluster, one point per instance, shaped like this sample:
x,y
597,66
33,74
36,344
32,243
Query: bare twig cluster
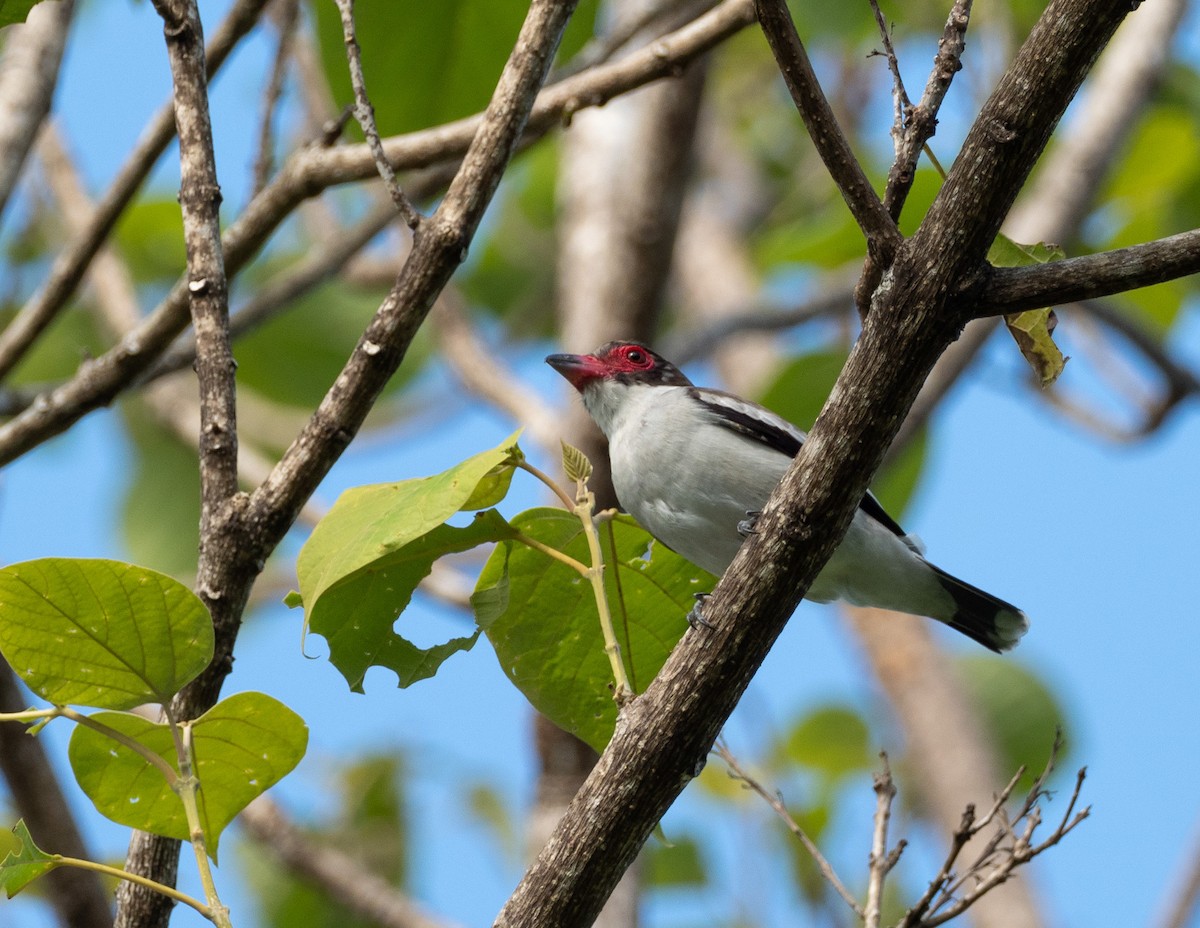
x,y
958,884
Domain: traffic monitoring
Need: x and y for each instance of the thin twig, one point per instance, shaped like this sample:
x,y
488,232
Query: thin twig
x,y
287,16
98,381
364,113
880,861
880,229
920,121
775,801
901,104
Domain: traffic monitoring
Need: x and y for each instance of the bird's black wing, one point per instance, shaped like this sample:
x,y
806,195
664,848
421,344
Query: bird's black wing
x,y
763,426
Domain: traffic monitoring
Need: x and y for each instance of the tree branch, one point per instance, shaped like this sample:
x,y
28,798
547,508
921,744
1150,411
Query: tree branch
x,y
921,120
260,521
1013,289
200,199
339,875
663,736
879,228
99,380
364,113
28,76
71,264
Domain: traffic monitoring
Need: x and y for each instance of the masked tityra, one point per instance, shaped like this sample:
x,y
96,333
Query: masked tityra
x,y
690,464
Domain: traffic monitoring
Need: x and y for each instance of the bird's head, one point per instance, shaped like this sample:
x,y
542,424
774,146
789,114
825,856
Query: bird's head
x,y
625,363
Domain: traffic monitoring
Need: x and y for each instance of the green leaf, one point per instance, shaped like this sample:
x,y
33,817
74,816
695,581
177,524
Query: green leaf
x,y
575,463
356,616
493,486
363,561
424,63
832,740
540,616
160,508
674,865
1031,330
242,746
1021,711
370,522
15,11
101,633
24,862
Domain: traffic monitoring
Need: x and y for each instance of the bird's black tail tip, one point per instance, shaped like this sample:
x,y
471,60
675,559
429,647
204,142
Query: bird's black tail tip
x,y
992,622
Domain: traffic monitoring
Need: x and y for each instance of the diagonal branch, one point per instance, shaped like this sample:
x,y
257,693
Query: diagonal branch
x,y
256,525
70,265
663,737
100,380
28,76
880,229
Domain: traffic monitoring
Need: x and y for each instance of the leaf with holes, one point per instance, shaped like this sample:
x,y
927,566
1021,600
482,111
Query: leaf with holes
x,y
242,746
540,616
24,862
363,561
101,633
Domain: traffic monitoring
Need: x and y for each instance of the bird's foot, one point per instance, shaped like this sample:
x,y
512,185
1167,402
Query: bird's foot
x,y
695,617
747,525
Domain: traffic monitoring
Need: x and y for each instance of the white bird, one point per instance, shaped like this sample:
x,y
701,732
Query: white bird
x,y
690,464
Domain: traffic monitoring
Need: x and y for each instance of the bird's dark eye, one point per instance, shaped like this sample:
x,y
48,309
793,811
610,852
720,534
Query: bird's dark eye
x,y
635,356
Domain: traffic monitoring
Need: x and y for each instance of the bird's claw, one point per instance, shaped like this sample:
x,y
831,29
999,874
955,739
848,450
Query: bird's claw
x,y
747,525
695,618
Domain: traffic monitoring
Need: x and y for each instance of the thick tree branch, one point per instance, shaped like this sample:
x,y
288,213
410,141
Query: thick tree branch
x,y
832,145
200,199
98,381
260,521
663,736
1013,289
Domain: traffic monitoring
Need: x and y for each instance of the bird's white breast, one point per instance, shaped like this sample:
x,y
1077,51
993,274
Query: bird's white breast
x,y
687,480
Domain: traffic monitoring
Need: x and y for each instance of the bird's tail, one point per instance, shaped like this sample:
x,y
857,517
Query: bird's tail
x,y
992,622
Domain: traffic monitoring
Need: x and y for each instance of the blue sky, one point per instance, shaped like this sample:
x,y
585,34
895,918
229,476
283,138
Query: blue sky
x,y
1095,541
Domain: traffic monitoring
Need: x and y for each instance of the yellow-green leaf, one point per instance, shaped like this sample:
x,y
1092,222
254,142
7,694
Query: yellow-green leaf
x,y
1033,329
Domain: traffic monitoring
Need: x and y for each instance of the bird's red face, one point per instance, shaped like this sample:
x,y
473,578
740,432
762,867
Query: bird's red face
x,y
625,361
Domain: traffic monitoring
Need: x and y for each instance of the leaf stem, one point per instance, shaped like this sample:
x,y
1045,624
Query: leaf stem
x,y
66,712
169,891
186,787
552,552
548,481
584,508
